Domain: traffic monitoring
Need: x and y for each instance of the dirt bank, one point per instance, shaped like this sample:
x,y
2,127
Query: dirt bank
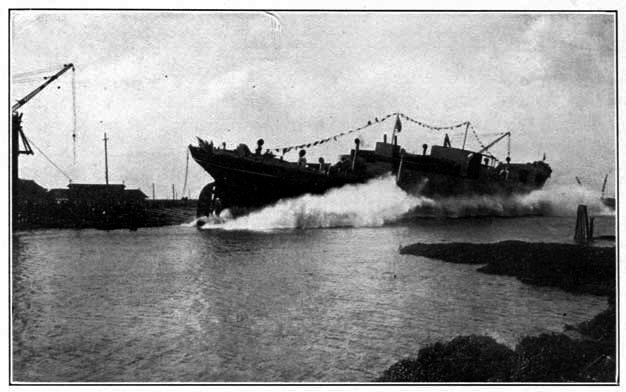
x,y
574,268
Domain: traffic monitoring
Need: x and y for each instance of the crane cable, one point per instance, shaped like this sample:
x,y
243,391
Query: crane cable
x,y
48,159
74,114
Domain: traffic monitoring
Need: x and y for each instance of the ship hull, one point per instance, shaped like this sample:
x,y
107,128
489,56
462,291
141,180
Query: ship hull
x,y
245,181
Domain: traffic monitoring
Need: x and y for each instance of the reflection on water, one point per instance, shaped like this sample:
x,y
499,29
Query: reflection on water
x,y
179,304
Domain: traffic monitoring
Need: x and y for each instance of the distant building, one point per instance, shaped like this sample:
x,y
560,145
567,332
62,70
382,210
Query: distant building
x,y
96,192
59,195
29,190
135,195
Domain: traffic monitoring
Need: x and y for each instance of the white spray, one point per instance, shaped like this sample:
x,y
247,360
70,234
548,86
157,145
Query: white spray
x,y
381,201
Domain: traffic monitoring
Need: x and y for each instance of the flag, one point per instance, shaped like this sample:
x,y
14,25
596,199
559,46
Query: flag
x,y
398,126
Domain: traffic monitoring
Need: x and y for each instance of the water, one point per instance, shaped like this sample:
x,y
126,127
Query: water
x,y
179,304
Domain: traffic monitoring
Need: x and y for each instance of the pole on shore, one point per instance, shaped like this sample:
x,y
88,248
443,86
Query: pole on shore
x,y
153,193
173,193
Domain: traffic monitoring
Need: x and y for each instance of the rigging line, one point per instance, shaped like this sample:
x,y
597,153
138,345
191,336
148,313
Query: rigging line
x,y
26,80
48,159
74,114
36,72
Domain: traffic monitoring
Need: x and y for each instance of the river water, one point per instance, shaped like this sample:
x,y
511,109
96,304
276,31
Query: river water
x,y
180,304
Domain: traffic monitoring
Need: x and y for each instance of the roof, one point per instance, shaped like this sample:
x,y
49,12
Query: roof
x,y
116,187
135,194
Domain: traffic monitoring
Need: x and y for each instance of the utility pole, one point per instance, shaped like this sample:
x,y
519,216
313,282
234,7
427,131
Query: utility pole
x,y
173,195
106,159
153,198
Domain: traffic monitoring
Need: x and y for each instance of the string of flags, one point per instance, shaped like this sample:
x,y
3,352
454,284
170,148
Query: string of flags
x,y
476,136
397,128
464,123
335,137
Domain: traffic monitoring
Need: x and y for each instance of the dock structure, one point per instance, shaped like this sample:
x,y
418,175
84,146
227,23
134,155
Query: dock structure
x,y
585,228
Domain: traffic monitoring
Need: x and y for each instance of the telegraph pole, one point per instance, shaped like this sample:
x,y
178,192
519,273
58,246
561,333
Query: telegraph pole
x,y
153,191
106,159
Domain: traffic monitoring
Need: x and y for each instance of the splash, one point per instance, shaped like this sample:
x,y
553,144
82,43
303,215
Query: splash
x,y
563,200
381,201
375,203
553,200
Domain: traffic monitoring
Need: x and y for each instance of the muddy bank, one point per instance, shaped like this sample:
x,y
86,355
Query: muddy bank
x,y
585,354
574,268
582,353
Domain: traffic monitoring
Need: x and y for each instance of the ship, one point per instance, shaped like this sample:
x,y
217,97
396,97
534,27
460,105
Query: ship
x,y
245,180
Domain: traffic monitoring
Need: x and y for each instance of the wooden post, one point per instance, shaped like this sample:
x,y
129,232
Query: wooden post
x,y
581,233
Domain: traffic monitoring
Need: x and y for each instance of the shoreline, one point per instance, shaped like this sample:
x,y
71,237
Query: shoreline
x,y
582,353
574,268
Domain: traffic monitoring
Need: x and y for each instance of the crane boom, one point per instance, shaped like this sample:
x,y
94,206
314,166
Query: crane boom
x,y
36,91
488,146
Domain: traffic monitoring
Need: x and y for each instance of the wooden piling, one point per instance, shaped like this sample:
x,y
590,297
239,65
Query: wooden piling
x,y
581,233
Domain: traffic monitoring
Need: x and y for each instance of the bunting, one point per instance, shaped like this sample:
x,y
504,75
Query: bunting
x,y
421,124
377,120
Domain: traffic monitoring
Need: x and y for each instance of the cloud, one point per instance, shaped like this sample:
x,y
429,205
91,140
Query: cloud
x,y
547,77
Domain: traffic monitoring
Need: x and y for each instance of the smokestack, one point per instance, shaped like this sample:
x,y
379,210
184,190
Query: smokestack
x,y
385,138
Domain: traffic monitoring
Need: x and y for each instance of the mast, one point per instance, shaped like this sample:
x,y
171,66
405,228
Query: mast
x,y
465,137
604,185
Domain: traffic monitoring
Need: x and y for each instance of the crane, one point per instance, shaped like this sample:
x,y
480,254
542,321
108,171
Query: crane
x,y
16,122
32,94
488,146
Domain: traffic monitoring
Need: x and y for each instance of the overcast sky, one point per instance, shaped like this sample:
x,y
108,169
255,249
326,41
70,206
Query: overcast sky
x,y
153,81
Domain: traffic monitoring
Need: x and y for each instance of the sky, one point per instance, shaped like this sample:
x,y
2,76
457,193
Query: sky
x,y
153,81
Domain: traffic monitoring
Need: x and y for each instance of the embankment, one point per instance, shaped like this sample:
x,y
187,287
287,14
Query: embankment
x,y
583,353
574,268
554,358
